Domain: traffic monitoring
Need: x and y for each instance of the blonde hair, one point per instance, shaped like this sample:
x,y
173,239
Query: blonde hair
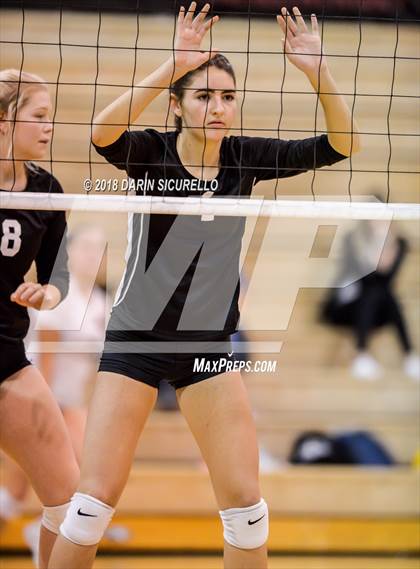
x,y
16,88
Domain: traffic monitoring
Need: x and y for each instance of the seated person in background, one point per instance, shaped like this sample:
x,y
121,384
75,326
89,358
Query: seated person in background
x,y
370,302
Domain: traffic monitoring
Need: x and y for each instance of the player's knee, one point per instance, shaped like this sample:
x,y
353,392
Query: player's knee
x,y
103,490
242,495
246,528
53,517
86,520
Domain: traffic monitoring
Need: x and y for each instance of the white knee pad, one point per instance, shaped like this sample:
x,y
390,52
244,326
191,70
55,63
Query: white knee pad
x,y
246,528
10,507
53,516
86,520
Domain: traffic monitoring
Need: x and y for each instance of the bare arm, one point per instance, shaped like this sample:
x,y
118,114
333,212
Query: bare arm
x,y
109,124
304,50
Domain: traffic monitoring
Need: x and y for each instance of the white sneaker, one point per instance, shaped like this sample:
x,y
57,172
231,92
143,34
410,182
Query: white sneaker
x,y
268,462
412,367
365,367
31,536
118,533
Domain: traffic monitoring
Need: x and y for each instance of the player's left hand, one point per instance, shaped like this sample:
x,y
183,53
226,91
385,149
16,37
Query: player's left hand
x,y
34,295
302,46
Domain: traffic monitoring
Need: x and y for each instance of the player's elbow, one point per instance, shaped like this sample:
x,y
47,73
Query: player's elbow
x,y
347,146
357,143
104,135
354,144
97,135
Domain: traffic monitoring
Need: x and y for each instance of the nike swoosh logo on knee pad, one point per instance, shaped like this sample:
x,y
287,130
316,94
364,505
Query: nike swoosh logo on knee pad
x,y
255,521
79,511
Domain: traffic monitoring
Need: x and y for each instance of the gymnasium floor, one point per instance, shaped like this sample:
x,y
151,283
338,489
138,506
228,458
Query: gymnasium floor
x,y
135,562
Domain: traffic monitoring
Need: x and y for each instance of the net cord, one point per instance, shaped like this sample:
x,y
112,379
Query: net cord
x,y
391,96
225,51
225,207
22,60
95,88
318,101
57,86
279,122
354,99
168,110
248,41
133,78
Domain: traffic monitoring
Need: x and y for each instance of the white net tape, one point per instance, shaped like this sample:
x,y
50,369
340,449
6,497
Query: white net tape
x,y
226,207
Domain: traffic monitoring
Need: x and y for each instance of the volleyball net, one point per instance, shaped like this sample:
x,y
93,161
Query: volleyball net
x,y
88,58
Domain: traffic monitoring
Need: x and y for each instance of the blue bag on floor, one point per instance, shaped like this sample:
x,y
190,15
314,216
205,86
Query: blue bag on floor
x,y
353,447
360,447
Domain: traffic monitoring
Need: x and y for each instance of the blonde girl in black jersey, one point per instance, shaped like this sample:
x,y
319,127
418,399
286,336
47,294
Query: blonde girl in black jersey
x,y
32,429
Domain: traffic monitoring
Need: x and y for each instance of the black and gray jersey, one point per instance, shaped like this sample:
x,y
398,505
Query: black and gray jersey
x,y
182,273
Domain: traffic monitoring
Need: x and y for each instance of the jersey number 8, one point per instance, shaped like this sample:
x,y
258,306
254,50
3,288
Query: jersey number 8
x,y
10,241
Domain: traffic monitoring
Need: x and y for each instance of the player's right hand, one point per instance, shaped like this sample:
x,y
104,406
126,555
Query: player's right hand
x,y
35,295
190,32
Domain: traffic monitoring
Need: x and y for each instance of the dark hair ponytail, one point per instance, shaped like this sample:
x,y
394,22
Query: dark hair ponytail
x,y
178,88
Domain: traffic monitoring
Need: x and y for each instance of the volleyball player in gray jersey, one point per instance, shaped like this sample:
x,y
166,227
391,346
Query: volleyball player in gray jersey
x,y
181,282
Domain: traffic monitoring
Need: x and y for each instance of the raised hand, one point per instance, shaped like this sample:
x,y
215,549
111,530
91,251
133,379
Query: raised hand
x,y
190,32
302,46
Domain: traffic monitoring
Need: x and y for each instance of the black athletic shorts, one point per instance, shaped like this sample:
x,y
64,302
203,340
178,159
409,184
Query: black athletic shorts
x,y
12,358
149,357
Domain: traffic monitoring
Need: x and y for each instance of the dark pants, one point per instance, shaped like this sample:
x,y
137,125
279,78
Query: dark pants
x,y
375,308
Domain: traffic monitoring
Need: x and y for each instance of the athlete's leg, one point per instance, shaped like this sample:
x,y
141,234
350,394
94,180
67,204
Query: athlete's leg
x,y
33,433
365,317
75,418
219,415
117,414
397,319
